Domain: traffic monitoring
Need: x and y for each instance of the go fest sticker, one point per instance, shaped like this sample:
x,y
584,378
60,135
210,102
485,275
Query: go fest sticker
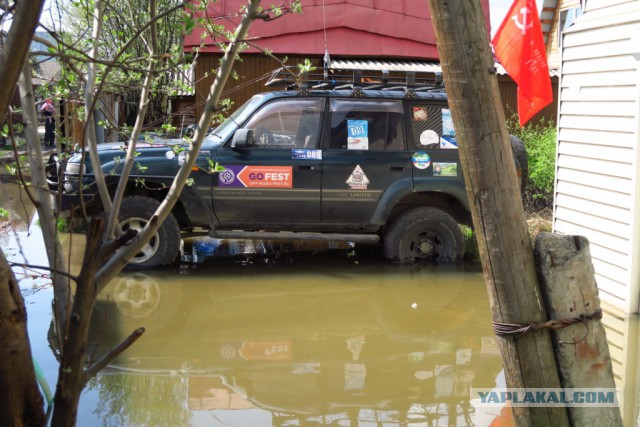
x,y
421,160
256,177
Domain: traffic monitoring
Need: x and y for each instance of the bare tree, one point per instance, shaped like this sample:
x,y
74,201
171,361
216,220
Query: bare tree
x,y
108,249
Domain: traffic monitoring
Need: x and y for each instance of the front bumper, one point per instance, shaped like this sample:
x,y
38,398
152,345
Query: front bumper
x,y
66,204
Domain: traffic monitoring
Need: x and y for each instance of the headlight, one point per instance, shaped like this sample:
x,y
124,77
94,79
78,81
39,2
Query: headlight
x,y
75,169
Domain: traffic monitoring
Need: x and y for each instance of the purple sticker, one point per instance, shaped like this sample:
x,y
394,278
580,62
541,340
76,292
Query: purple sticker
x,y
229,177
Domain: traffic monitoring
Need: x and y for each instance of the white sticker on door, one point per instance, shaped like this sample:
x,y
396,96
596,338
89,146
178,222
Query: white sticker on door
x,y
358,180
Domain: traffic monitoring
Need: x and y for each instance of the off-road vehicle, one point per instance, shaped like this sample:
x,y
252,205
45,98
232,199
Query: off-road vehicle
x,y
364,162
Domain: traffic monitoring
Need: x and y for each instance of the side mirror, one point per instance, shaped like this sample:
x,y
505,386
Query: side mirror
x,y
242,138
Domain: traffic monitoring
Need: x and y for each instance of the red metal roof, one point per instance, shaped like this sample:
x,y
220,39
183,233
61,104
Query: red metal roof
x,y
371,28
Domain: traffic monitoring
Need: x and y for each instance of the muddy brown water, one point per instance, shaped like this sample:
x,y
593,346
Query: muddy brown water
x,y
310,337
284,334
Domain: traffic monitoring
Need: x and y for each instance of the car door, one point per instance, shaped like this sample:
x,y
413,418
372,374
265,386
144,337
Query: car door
x,y
274,182
365,154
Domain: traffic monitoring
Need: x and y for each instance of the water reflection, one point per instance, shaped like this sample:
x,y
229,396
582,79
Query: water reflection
x,y
327,338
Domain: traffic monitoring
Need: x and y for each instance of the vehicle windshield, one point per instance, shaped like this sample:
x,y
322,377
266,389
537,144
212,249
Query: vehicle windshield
x,y
234,121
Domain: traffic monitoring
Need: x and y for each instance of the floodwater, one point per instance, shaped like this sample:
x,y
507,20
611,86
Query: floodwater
x,y
327,338
277,334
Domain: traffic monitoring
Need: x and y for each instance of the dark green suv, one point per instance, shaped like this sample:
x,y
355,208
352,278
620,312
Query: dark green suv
x,y
365,163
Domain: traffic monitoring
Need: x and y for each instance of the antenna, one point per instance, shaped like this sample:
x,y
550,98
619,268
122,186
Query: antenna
x,y
327,58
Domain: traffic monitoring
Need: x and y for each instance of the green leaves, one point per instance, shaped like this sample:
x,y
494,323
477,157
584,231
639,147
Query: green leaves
x,y
214,167
189,24
306,66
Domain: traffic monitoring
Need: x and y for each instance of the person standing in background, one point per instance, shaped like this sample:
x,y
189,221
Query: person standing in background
x,y
48,111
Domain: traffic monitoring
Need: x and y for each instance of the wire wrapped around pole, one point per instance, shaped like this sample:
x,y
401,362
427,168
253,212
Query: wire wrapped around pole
x,y
519,329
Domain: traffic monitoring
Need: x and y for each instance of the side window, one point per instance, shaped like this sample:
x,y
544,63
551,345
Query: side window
x,y
432,127
287,123
366,125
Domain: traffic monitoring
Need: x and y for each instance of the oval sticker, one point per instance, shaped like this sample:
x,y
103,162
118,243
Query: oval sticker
x,y
429,137
421,160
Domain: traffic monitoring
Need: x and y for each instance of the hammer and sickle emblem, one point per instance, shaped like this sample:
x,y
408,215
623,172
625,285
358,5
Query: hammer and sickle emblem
x,y
526,23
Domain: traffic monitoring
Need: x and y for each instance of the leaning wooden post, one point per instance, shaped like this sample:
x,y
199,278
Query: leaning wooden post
x,y
493,191
570,292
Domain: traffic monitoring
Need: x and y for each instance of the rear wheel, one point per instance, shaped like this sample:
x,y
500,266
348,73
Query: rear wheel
x,y
520,153
424,234
164,246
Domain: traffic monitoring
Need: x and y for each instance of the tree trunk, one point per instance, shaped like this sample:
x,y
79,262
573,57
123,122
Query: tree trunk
x,y
15,48
39,194
71,375
21,403
493,191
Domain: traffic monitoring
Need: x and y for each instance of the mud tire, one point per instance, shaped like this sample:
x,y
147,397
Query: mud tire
x,y
163,248
520,153
424,233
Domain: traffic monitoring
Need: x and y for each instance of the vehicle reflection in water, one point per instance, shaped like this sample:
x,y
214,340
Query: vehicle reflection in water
x,y
304,338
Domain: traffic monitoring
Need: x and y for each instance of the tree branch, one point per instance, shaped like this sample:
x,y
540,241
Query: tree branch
x,y
116,263
112,354
15,49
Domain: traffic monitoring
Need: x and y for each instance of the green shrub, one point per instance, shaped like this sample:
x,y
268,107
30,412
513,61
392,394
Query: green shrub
x,y
540,142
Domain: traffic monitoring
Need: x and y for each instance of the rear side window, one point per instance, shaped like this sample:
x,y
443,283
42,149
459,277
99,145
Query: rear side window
x,y
372,125
432,127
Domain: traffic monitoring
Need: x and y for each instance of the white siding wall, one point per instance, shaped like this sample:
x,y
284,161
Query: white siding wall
x,y
597,160
623,339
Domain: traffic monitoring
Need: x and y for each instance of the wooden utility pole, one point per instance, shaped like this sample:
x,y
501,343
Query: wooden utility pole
x,y
498,215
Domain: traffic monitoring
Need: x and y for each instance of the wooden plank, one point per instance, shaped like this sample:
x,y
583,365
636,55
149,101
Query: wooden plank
x,y
569,290
621,186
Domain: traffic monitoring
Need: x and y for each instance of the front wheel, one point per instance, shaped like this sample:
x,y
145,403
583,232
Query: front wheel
x,y
424,234
164,246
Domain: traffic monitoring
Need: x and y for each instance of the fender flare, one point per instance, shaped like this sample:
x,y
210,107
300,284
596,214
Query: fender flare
x,y
405,187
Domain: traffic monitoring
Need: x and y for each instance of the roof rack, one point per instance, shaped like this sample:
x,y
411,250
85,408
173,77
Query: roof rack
x,y
355,80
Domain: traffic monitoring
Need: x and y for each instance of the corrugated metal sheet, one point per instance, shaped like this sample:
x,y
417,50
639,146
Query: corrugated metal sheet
x,y
377,65
416,66
598,160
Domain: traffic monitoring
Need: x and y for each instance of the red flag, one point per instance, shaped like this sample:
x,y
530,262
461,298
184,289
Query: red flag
x,y
519,46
